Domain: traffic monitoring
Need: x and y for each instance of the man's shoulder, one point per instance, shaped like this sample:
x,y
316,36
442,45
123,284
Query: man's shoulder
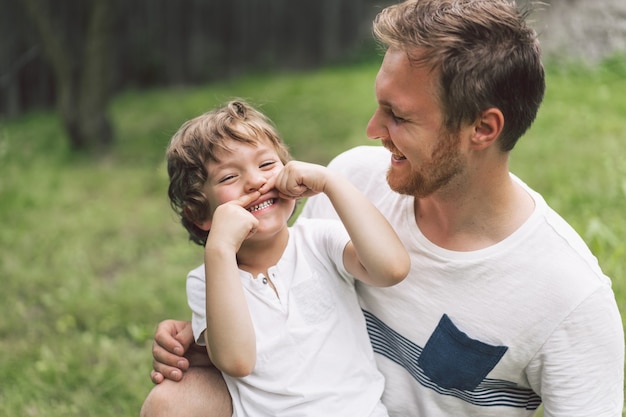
x,y
306,227
361,157
363,165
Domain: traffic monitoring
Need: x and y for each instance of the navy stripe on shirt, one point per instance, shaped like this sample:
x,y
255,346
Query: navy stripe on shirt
x,y
488,393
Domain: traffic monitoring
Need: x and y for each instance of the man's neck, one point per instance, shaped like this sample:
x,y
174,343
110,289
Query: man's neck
x,y
466,217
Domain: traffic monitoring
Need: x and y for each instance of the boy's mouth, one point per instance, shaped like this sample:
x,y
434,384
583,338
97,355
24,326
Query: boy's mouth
x,y
261,206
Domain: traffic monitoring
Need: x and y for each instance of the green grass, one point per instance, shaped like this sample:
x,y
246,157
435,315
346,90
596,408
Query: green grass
x,y
91,256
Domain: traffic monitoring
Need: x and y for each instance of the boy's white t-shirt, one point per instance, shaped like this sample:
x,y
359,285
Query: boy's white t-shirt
x,y
314,357
491,332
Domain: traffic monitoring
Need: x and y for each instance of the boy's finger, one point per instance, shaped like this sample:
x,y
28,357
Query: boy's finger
x,y
247,199
271,183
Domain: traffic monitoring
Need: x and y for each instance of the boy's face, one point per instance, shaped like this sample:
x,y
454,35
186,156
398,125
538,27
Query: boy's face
x,y
242,170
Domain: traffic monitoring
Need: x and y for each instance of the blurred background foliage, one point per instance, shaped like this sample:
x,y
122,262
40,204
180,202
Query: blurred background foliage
x,y
78,54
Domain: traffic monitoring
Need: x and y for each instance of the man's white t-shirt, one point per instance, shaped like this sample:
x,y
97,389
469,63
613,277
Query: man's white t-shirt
x,y
492,332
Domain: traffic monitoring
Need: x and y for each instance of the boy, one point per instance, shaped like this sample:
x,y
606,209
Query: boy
x,y
275,305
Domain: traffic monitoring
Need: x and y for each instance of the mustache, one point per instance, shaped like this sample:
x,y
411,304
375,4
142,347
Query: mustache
x,y
391,148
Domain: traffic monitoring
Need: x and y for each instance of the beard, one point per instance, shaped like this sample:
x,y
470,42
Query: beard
x,y
445,163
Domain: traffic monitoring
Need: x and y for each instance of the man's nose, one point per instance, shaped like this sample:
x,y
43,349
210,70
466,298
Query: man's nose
x,y
375,128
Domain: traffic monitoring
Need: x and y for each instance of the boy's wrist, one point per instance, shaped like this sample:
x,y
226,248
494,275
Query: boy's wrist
x,y
217,250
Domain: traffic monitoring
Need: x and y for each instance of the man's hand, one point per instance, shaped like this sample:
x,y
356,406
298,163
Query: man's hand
x,y
172,339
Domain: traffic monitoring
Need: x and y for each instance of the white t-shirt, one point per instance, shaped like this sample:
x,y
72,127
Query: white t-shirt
x,y
491,332
314,357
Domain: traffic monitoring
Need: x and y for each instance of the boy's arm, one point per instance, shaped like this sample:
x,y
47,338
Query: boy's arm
x,y
229,334
375,254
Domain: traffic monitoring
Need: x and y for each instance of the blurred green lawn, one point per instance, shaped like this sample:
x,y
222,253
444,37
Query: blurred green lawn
x,y
91,256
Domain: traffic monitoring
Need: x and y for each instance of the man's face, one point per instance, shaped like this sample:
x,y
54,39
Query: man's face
x,y
409,122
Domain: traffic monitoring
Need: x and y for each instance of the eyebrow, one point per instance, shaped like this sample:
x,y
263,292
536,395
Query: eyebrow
x,y
396,110
258,154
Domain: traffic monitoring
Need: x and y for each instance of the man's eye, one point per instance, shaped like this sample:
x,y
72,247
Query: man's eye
x,y
397,119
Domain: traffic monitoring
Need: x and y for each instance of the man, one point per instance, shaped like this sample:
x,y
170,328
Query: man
x,y
505,307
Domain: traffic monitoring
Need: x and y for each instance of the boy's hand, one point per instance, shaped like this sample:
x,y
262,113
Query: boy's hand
x,y
301,179
232,223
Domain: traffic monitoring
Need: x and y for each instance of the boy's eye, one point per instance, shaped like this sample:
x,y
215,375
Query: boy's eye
x,y
267,164
225,178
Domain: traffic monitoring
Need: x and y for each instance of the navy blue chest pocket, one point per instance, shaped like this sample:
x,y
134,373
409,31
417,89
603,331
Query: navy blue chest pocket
x,y
453,360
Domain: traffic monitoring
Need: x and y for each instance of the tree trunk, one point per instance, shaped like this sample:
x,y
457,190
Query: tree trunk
x,y
82,73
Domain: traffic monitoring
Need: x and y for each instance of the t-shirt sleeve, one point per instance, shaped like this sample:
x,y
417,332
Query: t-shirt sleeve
x,y
579,371
327,239
337,238
196,298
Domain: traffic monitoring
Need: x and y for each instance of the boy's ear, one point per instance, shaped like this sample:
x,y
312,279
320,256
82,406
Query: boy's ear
x,y
205,225
488,128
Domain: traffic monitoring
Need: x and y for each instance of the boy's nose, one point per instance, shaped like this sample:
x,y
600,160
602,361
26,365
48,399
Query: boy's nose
x,y
255,183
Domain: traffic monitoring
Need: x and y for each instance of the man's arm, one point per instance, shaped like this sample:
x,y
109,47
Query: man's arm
x,y
580,369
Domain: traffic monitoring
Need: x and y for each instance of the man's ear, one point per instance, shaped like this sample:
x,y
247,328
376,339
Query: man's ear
x,y
205,225
487,128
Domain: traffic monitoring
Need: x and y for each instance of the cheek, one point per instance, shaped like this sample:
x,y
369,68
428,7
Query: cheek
x,y
221,196
293,205
406,142
277,168
418,143
289,206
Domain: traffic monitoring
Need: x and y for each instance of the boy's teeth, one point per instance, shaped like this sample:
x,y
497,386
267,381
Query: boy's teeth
x,y
261,206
